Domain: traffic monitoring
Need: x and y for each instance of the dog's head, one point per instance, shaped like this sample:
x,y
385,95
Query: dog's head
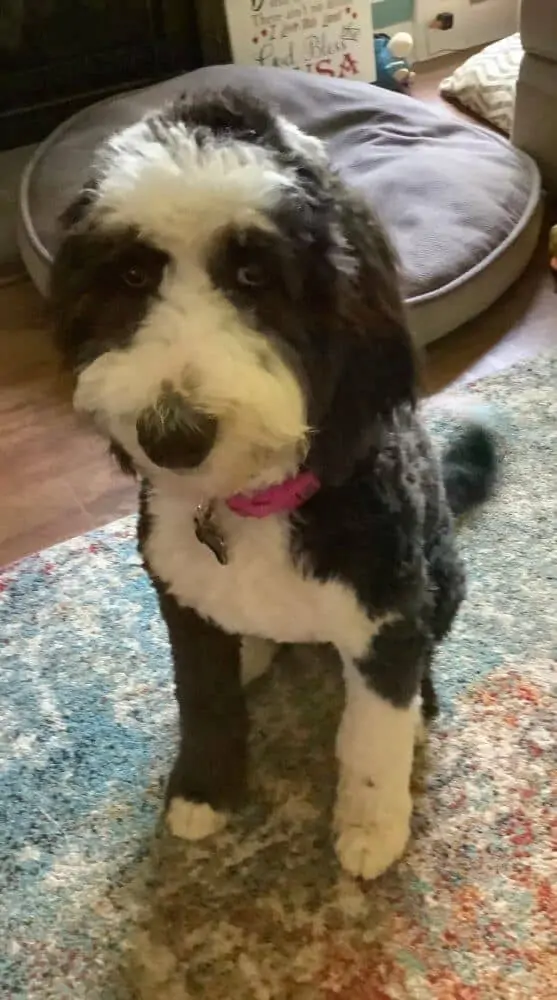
x,y
230,310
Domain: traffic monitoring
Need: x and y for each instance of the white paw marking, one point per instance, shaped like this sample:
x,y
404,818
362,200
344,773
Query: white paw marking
x,y
368,851
372,827
193,820
257,656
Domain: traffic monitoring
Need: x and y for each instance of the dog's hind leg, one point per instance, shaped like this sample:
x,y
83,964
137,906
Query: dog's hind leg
x,y
430,704
429,707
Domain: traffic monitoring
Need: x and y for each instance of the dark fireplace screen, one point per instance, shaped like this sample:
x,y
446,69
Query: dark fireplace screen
x,y
58,55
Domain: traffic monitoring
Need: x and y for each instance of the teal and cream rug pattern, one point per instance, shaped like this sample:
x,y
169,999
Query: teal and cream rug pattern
x,y
98,902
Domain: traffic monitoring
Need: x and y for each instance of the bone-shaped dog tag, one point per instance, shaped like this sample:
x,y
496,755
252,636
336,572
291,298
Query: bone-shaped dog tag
x,y
208,532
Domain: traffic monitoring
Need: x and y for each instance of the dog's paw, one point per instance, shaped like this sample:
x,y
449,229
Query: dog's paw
x,y
372,826
193,820
368,851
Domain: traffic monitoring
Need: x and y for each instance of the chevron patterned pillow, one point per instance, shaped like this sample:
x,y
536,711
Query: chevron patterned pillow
x,y
486,83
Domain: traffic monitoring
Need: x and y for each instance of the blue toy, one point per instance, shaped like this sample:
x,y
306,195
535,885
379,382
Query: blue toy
x,y
393,68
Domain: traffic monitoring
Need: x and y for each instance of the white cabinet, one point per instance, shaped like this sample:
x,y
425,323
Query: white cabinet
x,y
476,22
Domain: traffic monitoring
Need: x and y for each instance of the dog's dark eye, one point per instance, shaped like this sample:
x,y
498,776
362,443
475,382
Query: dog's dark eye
x,y
135,277
251,276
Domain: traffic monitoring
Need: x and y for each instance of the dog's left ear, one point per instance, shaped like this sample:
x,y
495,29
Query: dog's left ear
x,y
375,371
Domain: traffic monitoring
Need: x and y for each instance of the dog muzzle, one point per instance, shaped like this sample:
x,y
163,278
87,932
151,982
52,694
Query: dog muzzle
x,y
174,435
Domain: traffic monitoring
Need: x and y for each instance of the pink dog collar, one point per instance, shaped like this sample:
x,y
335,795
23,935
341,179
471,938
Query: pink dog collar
x,y
278,499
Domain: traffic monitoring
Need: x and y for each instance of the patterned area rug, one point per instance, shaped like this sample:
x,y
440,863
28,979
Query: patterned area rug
x,y
98,902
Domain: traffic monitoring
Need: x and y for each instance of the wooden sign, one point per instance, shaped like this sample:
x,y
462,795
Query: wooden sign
x,y
327,37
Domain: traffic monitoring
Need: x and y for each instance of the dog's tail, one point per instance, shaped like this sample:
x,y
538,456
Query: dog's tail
x,y
471,460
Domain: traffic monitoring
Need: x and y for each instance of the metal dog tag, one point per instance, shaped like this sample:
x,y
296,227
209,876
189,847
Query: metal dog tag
x,y
208,532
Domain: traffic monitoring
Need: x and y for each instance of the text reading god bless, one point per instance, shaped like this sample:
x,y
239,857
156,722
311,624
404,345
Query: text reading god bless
x,y
318,36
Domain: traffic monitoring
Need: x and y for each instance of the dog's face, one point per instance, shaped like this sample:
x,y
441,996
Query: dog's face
x,y
205,294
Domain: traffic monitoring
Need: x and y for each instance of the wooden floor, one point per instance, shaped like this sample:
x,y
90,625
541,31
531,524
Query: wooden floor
x,y
55,478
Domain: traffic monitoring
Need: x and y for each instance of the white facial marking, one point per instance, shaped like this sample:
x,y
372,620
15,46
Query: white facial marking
x,y
181,197
375,747
183,190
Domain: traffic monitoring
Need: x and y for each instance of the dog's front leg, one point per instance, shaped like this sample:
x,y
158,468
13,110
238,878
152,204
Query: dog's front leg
x,y
375,748
209,775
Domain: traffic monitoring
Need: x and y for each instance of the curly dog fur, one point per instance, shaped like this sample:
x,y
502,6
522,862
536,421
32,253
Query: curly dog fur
x,y
232,313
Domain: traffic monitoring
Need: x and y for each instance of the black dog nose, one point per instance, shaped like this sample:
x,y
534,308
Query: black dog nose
x,y
173,434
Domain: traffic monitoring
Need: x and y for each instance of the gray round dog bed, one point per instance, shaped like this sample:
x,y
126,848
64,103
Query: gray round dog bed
x,y
462,206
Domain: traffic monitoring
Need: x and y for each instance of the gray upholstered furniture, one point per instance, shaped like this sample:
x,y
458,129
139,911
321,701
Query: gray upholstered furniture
x,y
461,204
535,121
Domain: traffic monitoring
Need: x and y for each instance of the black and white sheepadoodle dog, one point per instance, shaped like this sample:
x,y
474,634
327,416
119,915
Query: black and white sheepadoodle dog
x,y
233,317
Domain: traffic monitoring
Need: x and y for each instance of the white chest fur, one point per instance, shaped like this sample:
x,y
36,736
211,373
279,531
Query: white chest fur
x,y
261,591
